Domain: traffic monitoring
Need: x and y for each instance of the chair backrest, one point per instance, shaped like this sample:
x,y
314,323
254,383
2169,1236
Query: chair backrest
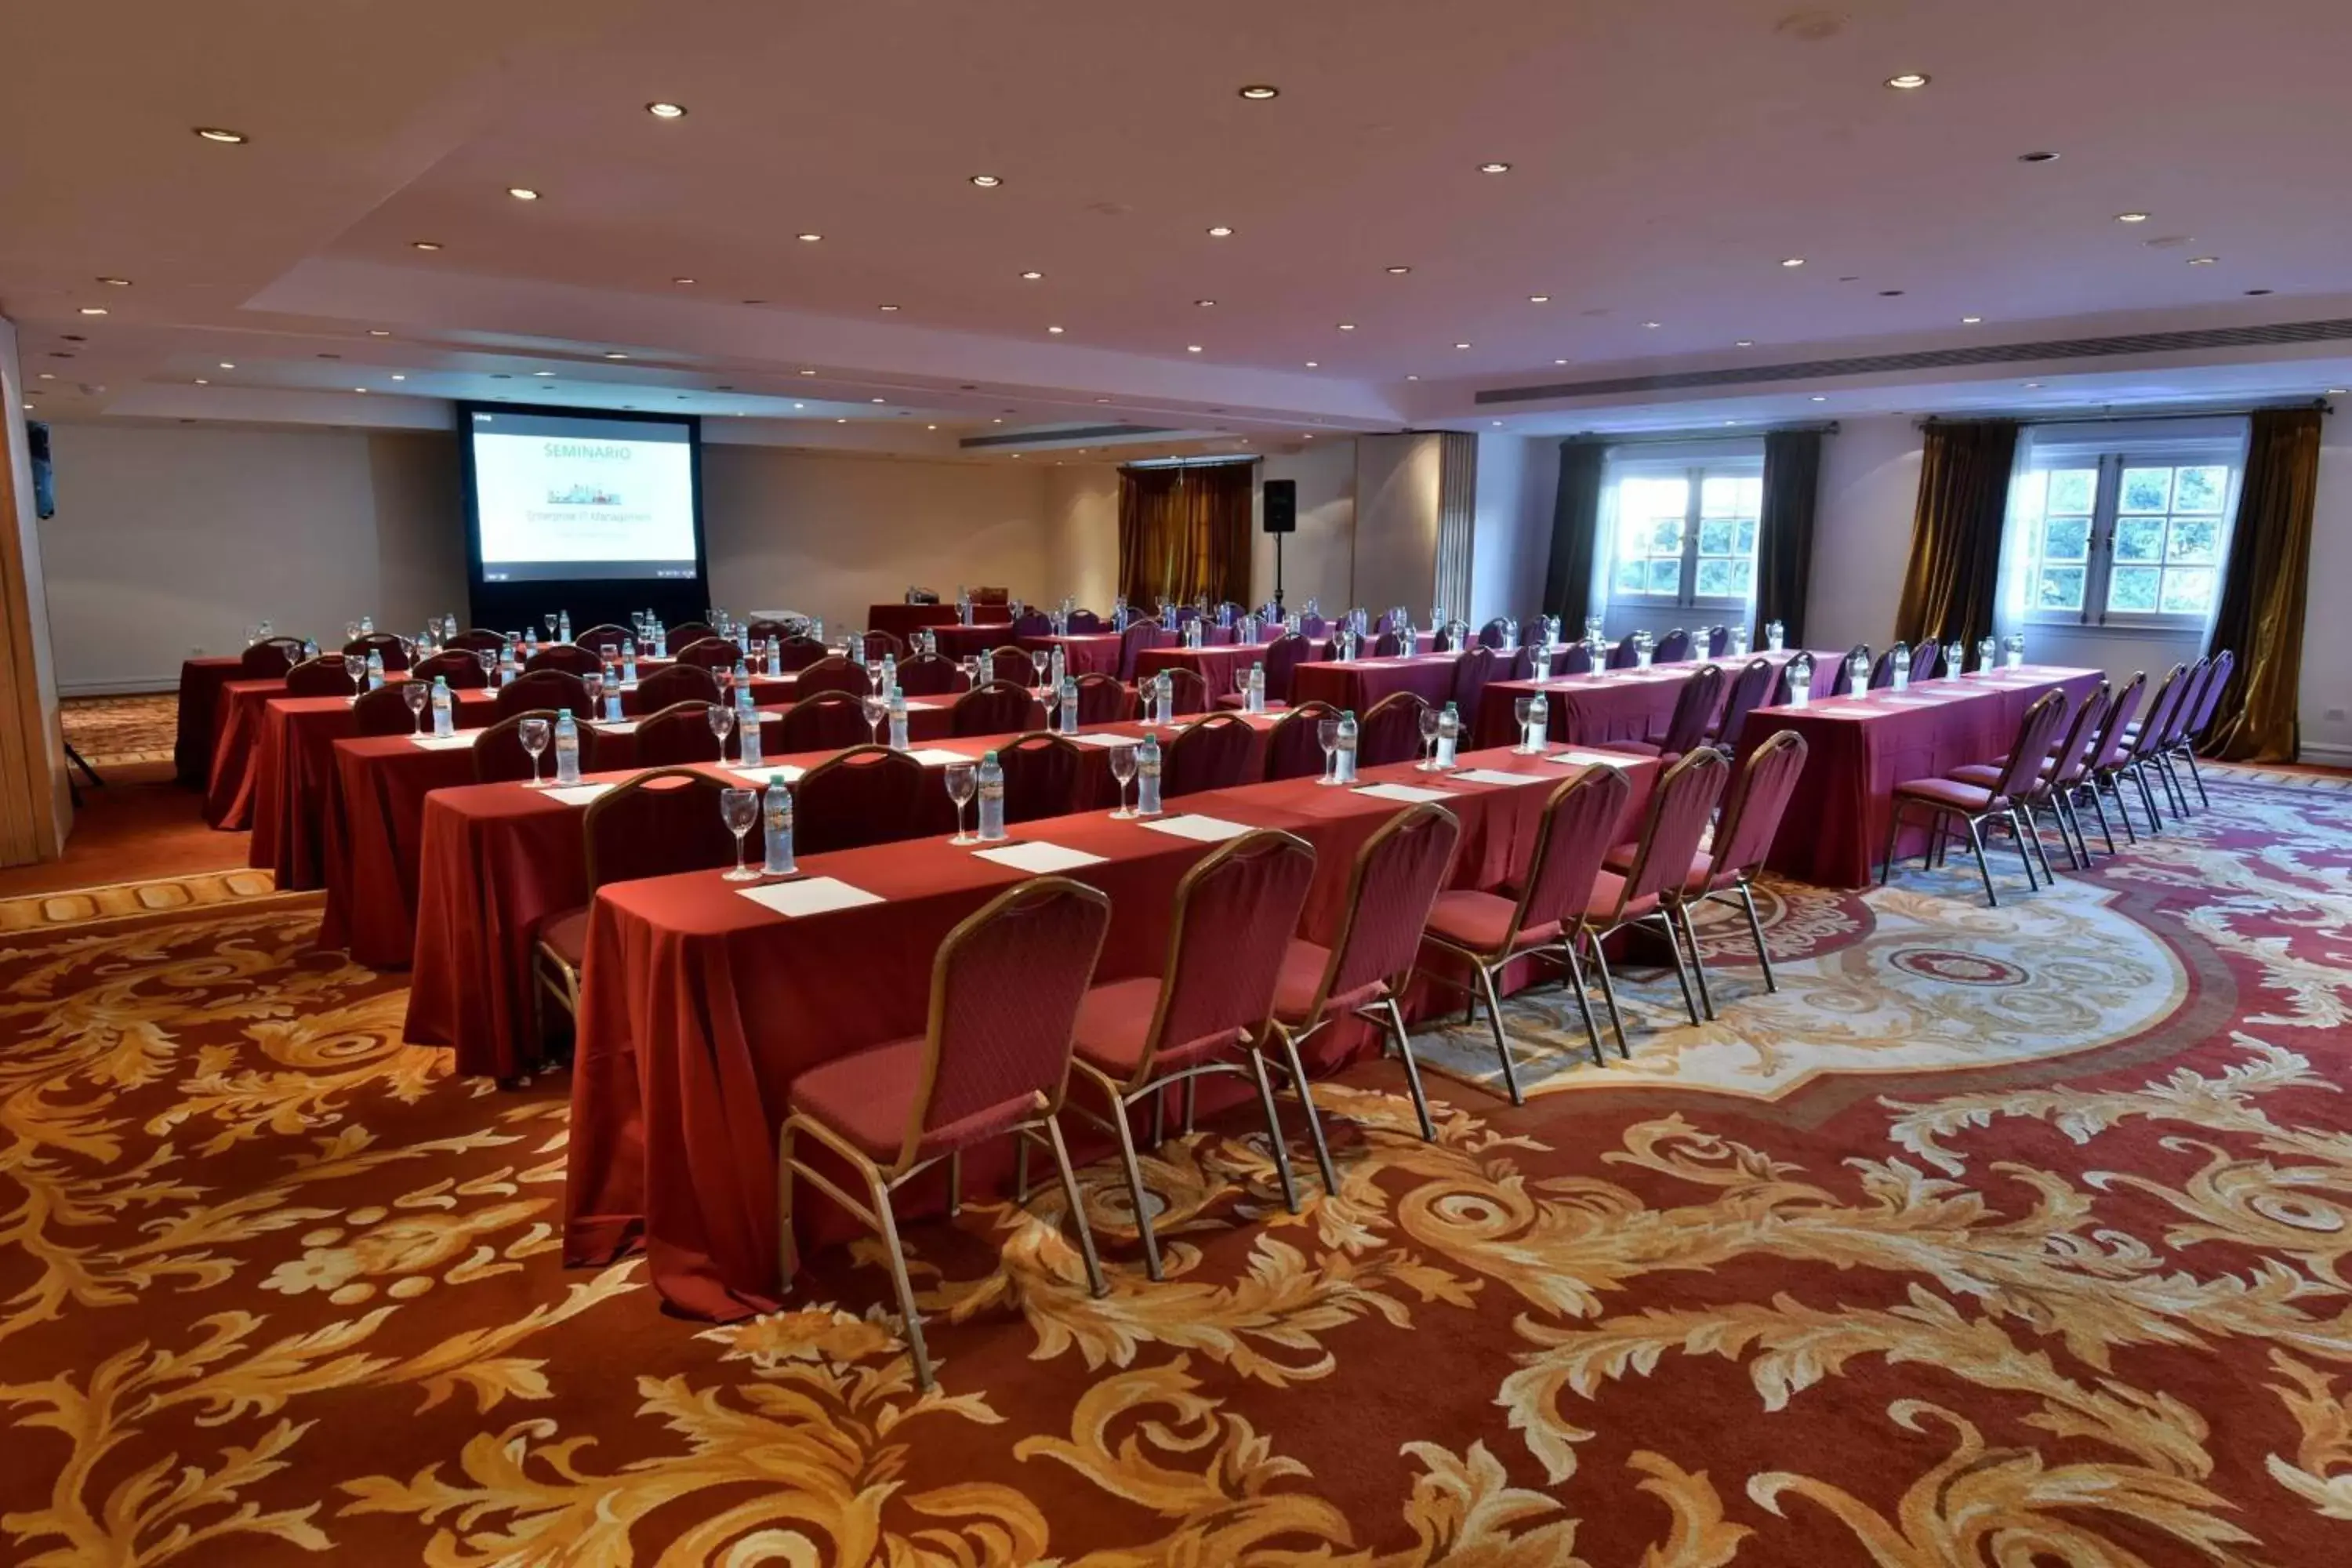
x,y
1625,656
457,665
2159,710
384,710
929,675
1041,776
999,708
1212,754
2109,748
499,756
881,645
1471,674
268,658
1314,627
1005,988
1926,659
1228,933
1574,659
1785,680
1700,697
544,688
1748,692
1387,645
481,639
391,646
678,735
659,823
1032,623
685,634
1672,647
322,676
2192,697
1292,751
795,654
1104,699
1578,829
2020,776
1141,633
597,638
679,683
768,628
1190,692
832,673
1680,810
2071,758
1882,670
710,653
1493,635
1396,877
867,795
1010,666
1283,655
1084,622
1717,640
1758,798
2209,701
580,661
1391,732
830,720
1860,647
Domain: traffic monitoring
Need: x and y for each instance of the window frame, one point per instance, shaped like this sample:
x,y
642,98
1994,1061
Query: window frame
x,y
2110,459
1694,469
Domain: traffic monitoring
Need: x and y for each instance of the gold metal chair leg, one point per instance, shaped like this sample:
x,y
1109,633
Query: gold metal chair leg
x,y
1698,964
788,1250
889,1225
1135,1183
1756,930
1411,1070
955,1184
1307,1099
1077,1206
1273,1131
1502,1039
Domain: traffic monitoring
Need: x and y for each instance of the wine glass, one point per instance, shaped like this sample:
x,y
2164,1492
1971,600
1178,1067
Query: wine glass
x,y
971,672
1038,661
877,708
350,631
961,782
1525,707
418,696
490,663
1327,735
355,666
740,808
1241,686
1430,722
549,621
1122,768
533,734
722,724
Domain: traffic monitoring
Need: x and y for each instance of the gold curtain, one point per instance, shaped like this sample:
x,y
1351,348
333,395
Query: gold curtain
x,y
1185,532
2264,589
1949,590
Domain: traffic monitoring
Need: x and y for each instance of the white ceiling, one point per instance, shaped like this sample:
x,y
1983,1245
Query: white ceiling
x,y
1665,161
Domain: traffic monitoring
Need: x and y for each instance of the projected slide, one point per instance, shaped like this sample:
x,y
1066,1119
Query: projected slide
x,y
560,499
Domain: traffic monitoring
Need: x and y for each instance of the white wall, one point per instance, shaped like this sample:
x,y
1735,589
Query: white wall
x,y
2327,701
1518,481
1318,560
1397,488
1081,535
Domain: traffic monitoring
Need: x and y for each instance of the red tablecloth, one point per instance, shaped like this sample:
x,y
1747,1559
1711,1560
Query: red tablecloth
x,y
1095,652
701,1006
971,642
1357,684
201,681
902,621
1859,749
1217,665
1619,704
236,731
292,779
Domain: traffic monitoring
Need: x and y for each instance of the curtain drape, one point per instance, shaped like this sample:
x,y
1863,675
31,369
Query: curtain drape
x,y
1784,535
2264,588
1950,589
1185,532
1575,519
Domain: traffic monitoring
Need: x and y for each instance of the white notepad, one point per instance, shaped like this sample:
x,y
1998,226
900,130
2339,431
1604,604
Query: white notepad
x,y
813,896
1588,760
1406,792
447,743
1106,742
1492,777
1207,830
934,757
761,776
616,726
578,795
1039,857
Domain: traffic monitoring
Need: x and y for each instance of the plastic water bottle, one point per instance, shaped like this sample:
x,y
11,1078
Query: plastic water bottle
x,y
1801,680
1163,698
747,741
506,662
367,625
530,640
445,719
1069,689
1956,657
1739,641
776,825
375,669
1343,750
609,688
992,799
661,640
1449,735
1773,635
1538,723
310,647
816,632
898,721
1984,656
1255,701
567,748
563,626
2013,650
775,657
1058,667
856,649
1857,675
1642,649
964,607
1901,661
629,660
742,688
1147,777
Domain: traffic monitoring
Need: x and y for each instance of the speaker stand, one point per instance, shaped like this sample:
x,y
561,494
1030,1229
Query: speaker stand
x,y
1277,577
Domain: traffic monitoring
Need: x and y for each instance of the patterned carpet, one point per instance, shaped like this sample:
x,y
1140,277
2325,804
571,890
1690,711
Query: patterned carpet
x,y
121,731
2011,1237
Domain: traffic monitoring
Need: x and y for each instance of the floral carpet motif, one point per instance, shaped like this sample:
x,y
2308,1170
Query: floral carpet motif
x,y
274,1285
120,732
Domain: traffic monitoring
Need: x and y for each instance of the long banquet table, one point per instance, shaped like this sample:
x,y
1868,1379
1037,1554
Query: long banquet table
x,y
1859,749
1086,653
1607,705
903,620
201,681
1357,684
701,1006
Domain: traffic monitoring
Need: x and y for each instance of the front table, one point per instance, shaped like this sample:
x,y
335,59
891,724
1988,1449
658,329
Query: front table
x,y
1355,685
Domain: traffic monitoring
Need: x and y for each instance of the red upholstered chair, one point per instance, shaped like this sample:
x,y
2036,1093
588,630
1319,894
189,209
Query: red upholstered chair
x,y
678,735
1041,776
269,658
867,795
1292,750
1009,665
2200,717
1369,959
1315,628
2062,771
929,675
1032,623
1141,633
999,708
1650,887
1757,799
1283,655
1192,692
884,645
831,720
499,756
710,653
767,628
1686,728
1209,753
1084,622
1748,689
1672,647
1488,932
2157,749
1391,732
797,653
1717,640
2100,763
322,676
556,689
2130,755
1574,659
685,634
1471,674
1210,1001
1882,670
992,1059
391,646
580,661
1105,699
479,641
664,687
832,673
384,710
1387,645
1944,801
596,638
1625,656
1494,633
1927,659
457,665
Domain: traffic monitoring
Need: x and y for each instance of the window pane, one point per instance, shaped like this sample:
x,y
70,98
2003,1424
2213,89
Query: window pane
x,y
1716,537
2133,588
2066,538
1745,542
2072,490
1743,578
2059,588
2196,538
2188,591
1633,576
2146,489
1718,496
1714,577
2139,539
1667,536
2200,489
1665,577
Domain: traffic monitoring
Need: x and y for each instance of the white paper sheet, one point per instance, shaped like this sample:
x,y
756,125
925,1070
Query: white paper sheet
x,y
578,795
1106,742
1039,857
447,743
1493,777
936,757
1406,792
761,776
616,726
1573,759
813,896
1207,830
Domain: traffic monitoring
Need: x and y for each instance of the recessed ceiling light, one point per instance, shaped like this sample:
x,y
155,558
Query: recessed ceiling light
x,y
1315,365
665,110
1908,82
1538,299
889,307
424,245
1399,271
808,239
93,310
1461,346
986,181
2336,392
1219,231
1792,261
200,381
996,422
378,332
1649,323
1413,378
1818,398
1731,422
214,133
1102,400
1204,304
399,378
45,375
1031,277
1494,168
2037,157
681,279
617,355
522,193
1191,348
116,282
2131,217
927,426
1055,331
544,374
2194,262
1560,361
2033,387
874,400
1744,343
1258,93
226,364
1347,326
808,372
841,422
361,390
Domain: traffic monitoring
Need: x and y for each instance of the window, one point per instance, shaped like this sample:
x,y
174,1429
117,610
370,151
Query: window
x,y
2125,538
1685,534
